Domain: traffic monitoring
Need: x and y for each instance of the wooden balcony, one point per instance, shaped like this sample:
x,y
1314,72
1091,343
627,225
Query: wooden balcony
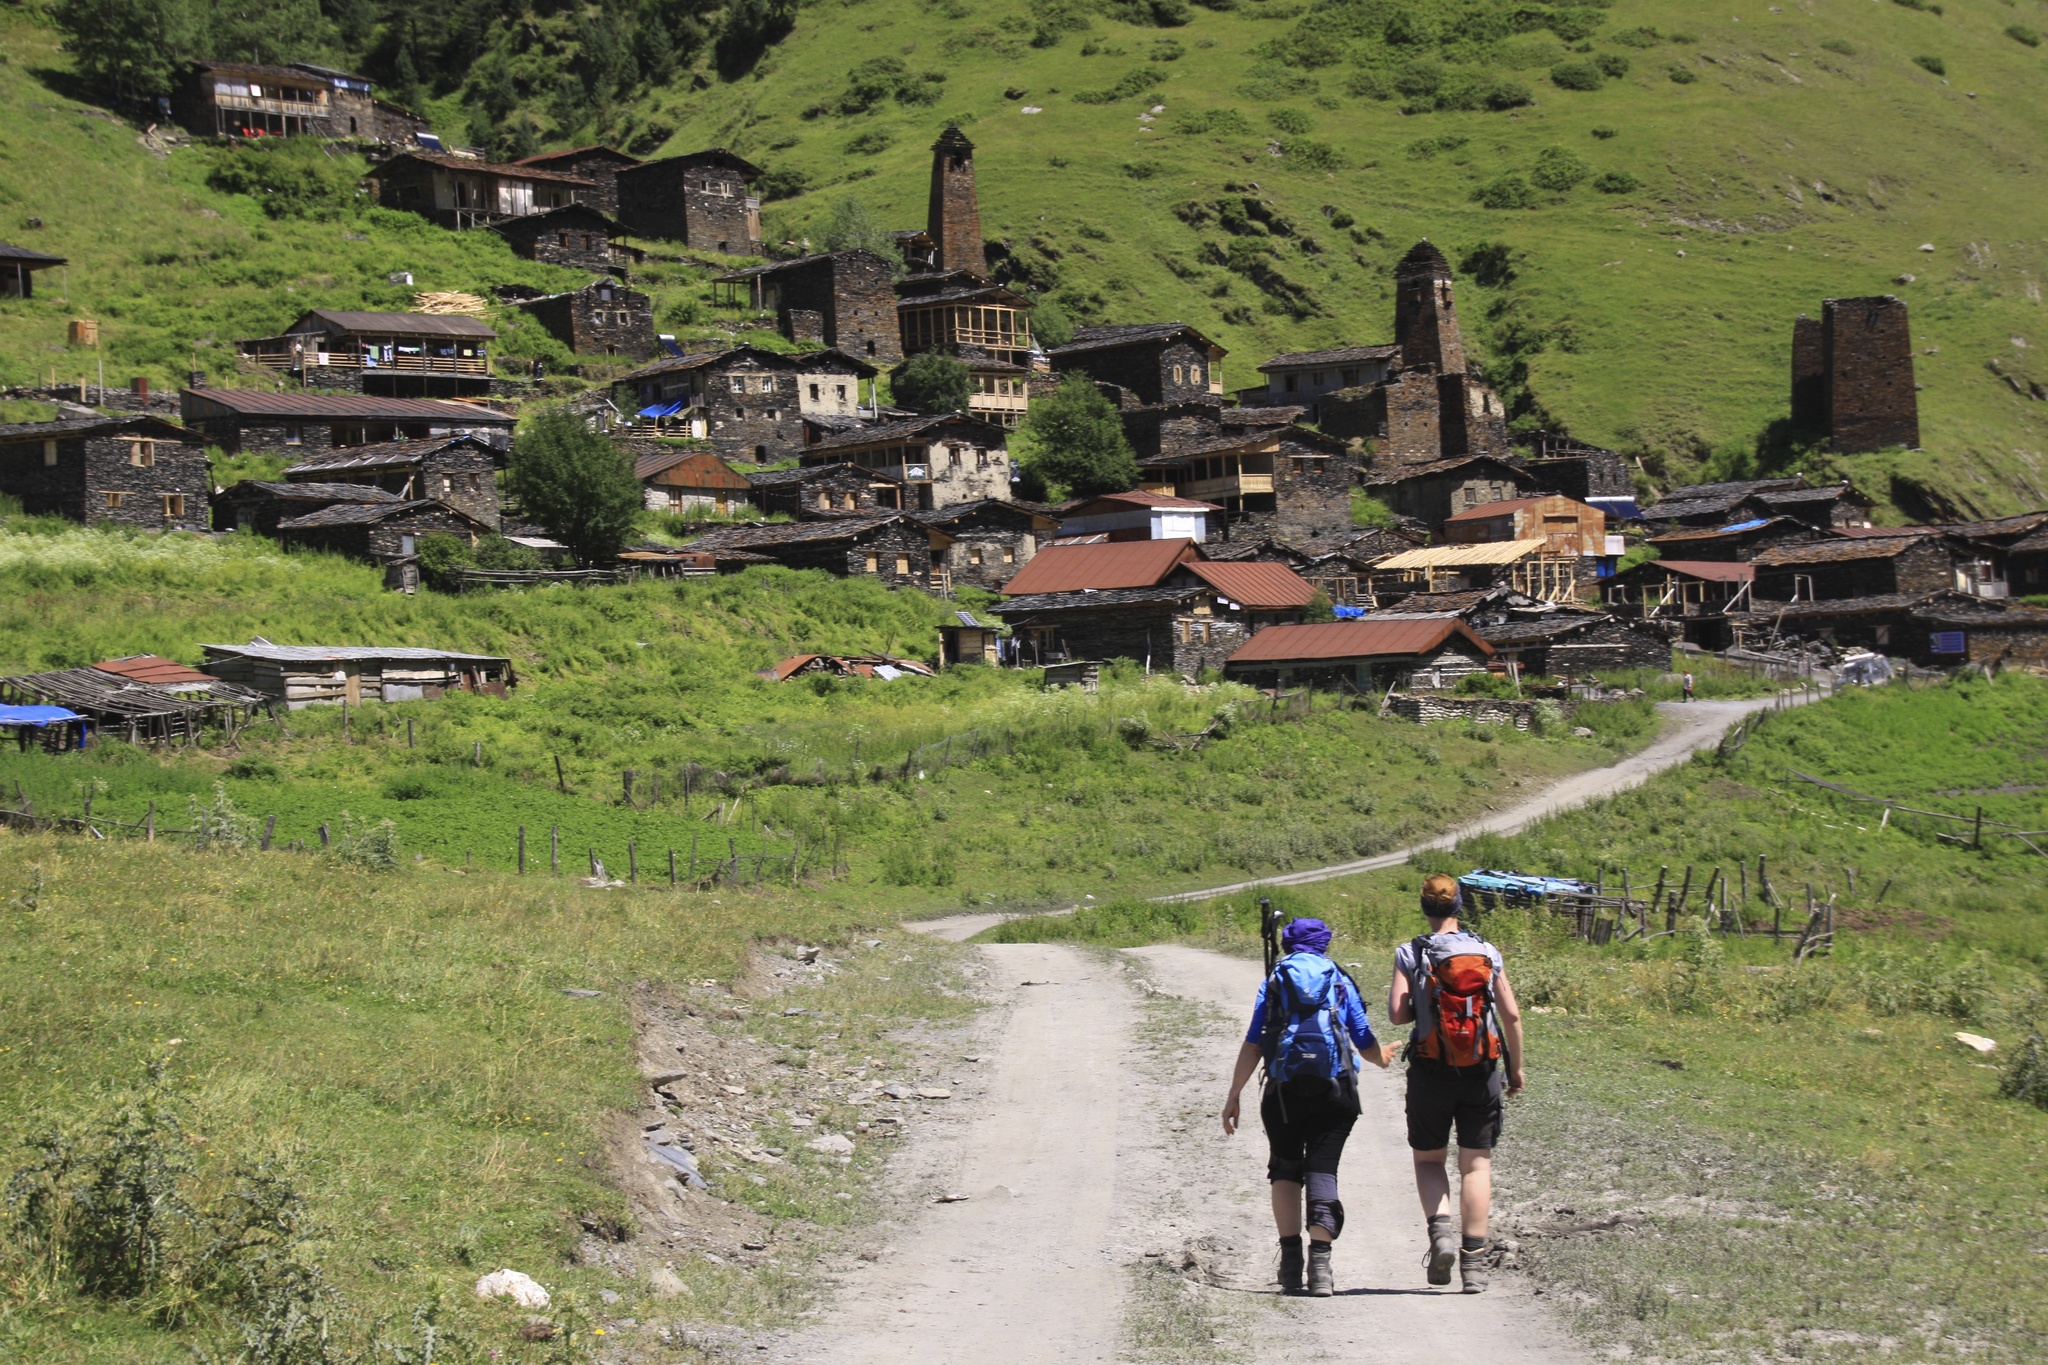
x,y
288,108
1229,486
353,360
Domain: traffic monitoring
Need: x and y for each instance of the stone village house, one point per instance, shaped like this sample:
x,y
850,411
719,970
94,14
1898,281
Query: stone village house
x,y
598,165
142,472
823,489
412,355
1433,493
300,424
460,471
992,539
576,235
705,200
1368,657
385,533
940,460
888,546
601,318
457,192
748,403
247,100
843,299
691,481
1831,570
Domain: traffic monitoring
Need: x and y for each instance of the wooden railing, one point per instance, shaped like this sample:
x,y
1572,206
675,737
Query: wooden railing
x,y
354,360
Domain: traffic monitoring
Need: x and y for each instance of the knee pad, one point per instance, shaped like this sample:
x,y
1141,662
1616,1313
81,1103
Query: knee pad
x,y
1325,1210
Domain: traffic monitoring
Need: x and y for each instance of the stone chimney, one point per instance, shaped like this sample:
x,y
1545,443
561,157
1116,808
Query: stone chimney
x,y
1425,322
954,219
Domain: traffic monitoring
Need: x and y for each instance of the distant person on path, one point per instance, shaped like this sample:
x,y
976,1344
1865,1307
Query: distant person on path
x,y
1688,686
1451,984
1308,1019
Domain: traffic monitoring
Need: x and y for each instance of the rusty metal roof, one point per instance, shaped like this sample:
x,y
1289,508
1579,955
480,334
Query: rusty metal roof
x,y
711,471
320,654
1260,585
155,670
1488,510
1367,639
1116,564
319,406
1734,571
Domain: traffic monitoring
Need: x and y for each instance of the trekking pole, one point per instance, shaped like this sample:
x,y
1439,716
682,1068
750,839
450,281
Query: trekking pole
x,y
1269,932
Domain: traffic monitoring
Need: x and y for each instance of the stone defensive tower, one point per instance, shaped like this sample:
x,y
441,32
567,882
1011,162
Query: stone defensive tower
x,y
953,221
1425,322
1868,357
1809,375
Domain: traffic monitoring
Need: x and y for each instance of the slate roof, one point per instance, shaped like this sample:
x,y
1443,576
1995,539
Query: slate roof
x,y
1094,599
1698,533
1112,564
1342,355
463,163
319,406
1837,551
955,513
1108,338
892,432
367,514
542,158
73,426
33,259
1402,473
1732,571
381,455
1277,416
1677,509
316,492
798,532
1140,498
1366,639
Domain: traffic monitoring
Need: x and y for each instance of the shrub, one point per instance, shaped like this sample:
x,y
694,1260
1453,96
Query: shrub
x,y
290,177
932,381
1313,156
784,183
1491,265
1508,191
1683,75
2026,1074
1166,50
1576,76
367,845
1290,121
1559,170
218,823
1150,13
1419,78
1367,85
1423,149
1840,46
1574,24
1605,133
854,225
1276,81
1136,170
868,143
1138,81
1218,121
1612,64
1933,65
1078,441
1615,182
1644,36
2020,33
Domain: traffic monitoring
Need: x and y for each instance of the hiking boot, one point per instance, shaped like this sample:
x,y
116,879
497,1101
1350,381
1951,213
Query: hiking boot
x,y
1321,1283
1290,1265
1472,1270
1443,1249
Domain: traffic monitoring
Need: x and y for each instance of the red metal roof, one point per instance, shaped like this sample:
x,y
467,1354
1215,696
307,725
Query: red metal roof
x,y
155,670
1366,639
1117,564
1705,568
1258,585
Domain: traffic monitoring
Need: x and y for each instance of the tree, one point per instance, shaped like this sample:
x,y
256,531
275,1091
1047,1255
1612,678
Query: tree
x,y
130,51
751,27
576,483
1051,325
1079,442
853,227
932,381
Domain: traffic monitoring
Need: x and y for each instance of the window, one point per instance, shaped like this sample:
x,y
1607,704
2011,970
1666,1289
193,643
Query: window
x,y
604,295
174,506
1292,381
1177,373
1009,555
953,457
1194,374
1884,635
902,564
838,391
824,501
874,564
142,454
294,436
817,391
974,555
848,502
1316,378
49,453
447,485
115,499
739,383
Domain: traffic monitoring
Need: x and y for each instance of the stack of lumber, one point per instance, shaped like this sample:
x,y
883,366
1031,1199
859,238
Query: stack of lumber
x,y
447,301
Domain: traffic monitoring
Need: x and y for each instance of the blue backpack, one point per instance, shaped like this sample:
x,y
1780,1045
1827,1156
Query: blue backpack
x,y
1305,1041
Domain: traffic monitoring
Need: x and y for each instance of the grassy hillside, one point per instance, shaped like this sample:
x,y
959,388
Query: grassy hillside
x,y
1748,164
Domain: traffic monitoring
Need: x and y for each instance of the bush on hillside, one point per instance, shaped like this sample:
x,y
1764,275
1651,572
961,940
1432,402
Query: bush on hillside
x,y
2020,33
1932,65
751,27
1219,121
876,81
1275,81
1508,191
1612,64
1576,76
291,178
1078,441
1137,81
1151,13
1368,85
1290,121
932,381
872,141
1558,170
854,227
1683,75
1644,36
576,483
1616,182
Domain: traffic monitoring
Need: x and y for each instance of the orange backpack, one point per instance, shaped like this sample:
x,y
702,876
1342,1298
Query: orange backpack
x,y
1460,987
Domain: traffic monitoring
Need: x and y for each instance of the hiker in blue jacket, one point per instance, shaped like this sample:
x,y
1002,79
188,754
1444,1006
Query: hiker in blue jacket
x,y
1309,1028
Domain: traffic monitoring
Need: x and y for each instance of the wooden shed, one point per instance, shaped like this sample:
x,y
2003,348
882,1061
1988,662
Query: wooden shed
x,y
686,481
1566,526
312,675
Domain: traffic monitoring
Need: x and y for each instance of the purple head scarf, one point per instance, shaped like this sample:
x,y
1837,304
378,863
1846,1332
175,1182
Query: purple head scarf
x,y
1305,935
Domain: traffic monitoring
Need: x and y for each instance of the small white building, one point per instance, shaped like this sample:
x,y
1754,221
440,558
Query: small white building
x,y
1139,516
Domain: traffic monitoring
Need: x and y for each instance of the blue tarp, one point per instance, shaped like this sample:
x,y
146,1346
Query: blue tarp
x,y
1515,886
36,715
662,409
1749,525
1348,613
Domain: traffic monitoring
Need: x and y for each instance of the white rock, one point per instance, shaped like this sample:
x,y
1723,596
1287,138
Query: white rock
x,y
1906,278
831,1144
666,1284
1031,109
1927,246
510,1284
1977,1041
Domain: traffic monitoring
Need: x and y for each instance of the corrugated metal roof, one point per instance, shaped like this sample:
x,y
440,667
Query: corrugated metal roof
x,y
1115,564
714,472
1460,556
1261,586
319,654
1487,510
155,670
1367,639
400,324
255,402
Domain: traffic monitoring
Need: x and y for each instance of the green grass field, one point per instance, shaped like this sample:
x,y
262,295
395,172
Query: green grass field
x,y
1764,1154
1808,156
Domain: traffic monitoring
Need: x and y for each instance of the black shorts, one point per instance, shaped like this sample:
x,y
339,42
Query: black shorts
x,y
1310,1136
1441,1096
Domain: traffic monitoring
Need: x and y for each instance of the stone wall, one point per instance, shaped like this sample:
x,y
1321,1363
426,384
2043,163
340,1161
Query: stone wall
x,y
988,556
1470,417
842,489
1809,375
1354,414
854,292
380,541
761,425
1428,707
1584,475
1413,426
1425,321
1145,371
682,202
1311,500
599,319
1871,401
802,324
583,249
88,467
461,476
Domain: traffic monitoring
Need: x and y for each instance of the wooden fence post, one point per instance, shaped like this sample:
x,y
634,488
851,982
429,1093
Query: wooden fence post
x,y
561,784
632,862
408,733
344,720
323,834
476,756
693,857
522,850
554,850
149,825
269,828
671,867
1656,900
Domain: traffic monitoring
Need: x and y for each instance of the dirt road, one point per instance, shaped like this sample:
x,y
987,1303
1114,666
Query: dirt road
x,y
1109,1219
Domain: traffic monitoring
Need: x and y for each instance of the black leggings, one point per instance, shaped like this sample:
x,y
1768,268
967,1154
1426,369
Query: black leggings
x,y
1306,1143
